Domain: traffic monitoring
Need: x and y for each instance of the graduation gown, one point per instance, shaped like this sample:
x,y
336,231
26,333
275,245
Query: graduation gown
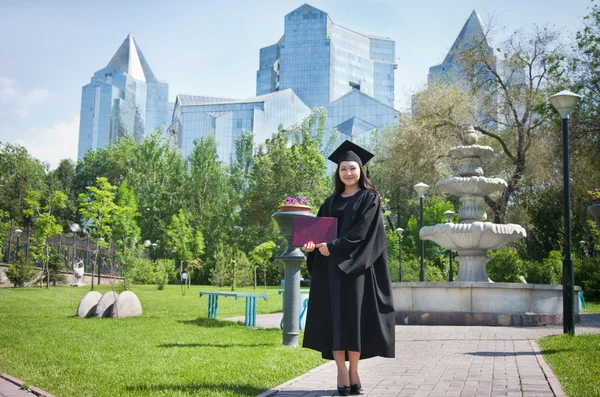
x,y
350,304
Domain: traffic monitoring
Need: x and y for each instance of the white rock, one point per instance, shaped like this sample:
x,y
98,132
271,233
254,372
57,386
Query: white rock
x,y
87,305
104,307
127,305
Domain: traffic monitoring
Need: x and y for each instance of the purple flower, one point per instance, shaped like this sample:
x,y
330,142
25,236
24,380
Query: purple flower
x,y
296,200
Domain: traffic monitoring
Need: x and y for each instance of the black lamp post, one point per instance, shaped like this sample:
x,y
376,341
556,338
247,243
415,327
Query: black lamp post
x,y
449,215
421,189
564,102
399,232
18,233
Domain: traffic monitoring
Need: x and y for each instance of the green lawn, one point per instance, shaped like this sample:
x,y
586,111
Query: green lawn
x,y
592,307
171,350
575,361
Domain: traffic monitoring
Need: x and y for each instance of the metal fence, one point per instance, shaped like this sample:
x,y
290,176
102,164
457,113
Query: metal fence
x,y
74,248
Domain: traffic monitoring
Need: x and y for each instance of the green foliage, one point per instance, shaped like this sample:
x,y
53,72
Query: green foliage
x,y
505,265
56,264
98,205
20,272
164,269
548,271
141,271
181,238
232,267
587,275
126,232
4,227
260,259
19,173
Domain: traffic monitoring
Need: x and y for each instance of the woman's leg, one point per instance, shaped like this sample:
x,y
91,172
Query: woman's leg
x,y
342,371
353,358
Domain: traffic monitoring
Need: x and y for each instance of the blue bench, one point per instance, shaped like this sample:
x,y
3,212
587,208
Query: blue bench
x,y
213,305
303,308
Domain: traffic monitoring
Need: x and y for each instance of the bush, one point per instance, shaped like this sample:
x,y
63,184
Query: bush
x,y
56,263
587,275
505,266
20,272
548,271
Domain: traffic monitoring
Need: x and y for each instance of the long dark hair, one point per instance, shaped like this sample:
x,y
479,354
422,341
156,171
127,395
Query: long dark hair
x,y
363,182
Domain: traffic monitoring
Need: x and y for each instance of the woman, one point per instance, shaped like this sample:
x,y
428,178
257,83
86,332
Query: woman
x,y
350,310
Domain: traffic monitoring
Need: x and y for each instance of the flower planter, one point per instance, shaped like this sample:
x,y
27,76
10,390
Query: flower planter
x,y
294,207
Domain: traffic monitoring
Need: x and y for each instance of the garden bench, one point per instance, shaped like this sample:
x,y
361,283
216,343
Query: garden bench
x,y
213,304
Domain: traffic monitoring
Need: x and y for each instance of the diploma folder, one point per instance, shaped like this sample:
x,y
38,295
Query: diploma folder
x,y
315,229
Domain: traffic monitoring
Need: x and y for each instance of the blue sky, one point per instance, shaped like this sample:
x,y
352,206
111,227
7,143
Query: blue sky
x,y
50,49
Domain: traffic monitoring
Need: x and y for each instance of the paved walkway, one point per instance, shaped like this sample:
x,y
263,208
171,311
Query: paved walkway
x,y
446,361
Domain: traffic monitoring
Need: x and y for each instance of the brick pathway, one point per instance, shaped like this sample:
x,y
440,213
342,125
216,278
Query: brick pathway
x,y
438,361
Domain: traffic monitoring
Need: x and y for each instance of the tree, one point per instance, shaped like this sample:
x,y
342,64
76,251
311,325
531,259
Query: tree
x,y
231,267
63,179
19,173
126,232
44,225
259,257
99,207
505,101
187,243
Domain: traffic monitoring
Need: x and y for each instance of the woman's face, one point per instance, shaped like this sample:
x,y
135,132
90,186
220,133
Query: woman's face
x,y
349,172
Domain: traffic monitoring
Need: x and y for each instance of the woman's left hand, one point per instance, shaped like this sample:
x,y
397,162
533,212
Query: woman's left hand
x,y
322,247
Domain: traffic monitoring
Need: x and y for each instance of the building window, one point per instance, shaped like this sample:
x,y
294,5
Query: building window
x,y
354,85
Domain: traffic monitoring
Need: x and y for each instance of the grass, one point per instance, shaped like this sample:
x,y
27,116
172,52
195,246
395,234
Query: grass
x,y
592,307
575,360
171,350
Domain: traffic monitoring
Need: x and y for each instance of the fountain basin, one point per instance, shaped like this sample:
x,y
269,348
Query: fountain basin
x,y
472,186
461,152
474,303
472,236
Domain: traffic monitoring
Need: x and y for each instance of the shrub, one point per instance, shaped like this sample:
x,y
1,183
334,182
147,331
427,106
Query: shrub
x,y
20,272
548,271
505,265
56,263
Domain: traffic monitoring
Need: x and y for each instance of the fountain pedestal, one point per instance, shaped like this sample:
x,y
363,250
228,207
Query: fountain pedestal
x,y
292,258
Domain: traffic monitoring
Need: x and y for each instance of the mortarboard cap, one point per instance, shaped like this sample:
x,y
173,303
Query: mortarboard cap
x,y
349,151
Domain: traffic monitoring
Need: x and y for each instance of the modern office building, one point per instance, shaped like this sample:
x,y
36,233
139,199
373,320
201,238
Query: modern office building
x,y
196,117
124,99
322,61
451,70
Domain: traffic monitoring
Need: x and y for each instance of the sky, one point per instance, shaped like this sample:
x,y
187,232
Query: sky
x,y
49,49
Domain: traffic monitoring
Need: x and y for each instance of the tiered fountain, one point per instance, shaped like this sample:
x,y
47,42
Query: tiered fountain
x,y
473,298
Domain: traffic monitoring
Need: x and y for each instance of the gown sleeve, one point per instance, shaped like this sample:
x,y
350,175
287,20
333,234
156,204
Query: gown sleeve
x,y
358,248
310,256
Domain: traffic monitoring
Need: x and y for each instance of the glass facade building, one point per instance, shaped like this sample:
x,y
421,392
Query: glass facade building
x,y
450,70
195,117
322,61
124,99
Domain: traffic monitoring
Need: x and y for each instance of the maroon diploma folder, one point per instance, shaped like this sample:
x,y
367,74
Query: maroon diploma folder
x,y
317,230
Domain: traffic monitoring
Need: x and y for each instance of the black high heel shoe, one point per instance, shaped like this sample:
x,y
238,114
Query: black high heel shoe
x,y
344,390
355,389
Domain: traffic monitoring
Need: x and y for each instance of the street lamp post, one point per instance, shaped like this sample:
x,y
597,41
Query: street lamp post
x,y
564,102
421,189
399,231
449,215
18,233
74,228
147,244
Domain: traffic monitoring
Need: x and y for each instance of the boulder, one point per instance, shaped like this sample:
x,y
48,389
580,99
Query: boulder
x,y
105,304
87,305
127,305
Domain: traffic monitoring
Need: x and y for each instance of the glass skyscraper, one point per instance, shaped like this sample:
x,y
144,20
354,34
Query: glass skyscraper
x,y
322,61
196,117
451,70
124,99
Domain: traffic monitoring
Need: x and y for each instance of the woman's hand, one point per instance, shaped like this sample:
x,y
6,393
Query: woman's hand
x,y
322,247
309,247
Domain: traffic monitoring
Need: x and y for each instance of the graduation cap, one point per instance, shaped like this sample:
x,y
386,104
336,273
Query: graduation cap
x,y
350,151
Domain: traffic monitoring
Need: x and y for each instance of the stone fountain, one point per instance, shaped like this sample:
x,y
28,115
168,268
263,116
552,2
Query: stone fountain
x,y
472,299
473,236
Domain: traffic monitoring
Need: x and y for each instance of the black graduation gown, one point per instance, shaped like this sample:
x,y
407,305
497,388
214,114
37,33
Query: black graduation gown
x,y
350,304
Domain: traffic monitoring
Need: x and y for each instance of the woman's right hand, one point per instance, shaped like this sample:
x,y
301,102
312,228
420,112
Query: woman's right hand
x,y
309,247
